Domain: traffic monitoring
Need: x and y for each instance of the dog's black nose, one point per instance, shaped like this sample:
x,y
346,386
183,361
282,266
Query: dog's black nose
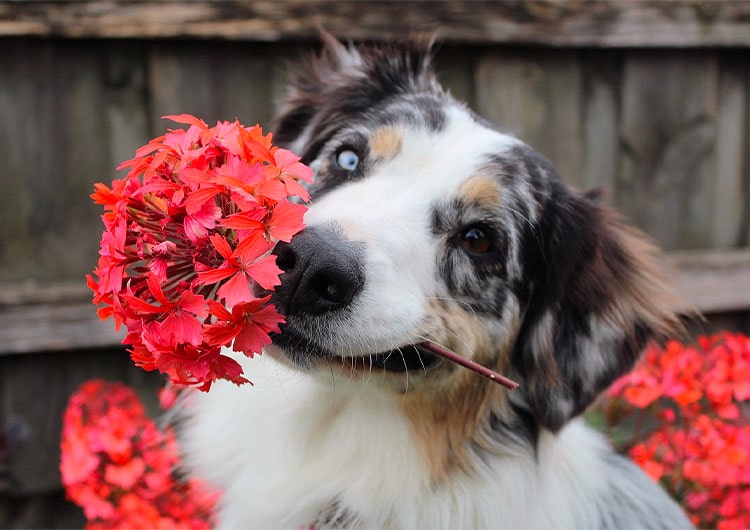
x,y
322,272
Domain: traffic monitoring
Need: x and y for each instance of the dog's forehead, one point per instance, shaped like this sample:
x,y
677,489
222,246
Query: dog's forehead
x,y
415,170
432,163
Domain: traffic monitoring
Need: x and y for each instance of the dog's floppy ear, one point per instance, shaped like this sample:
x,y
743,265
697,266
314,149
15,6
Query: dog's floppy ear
x,y
598,294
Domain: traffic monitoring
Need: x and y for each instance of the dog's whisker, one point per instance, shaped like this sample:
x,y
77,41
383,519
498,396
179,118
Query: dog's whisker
x,y
419,356
406,374
333,383
464,303
521,215
369,373
406,371
449,331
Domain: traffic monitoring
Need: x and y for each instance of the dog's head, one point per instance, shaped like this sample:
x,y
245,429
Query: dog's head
x,y
426,222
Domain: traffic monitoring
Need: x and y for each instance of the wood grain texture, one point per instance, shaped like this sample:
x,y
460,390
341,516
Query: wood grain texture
x,y
667,155
537,96
539,22
66,116
731,205
715,281
54,327
218,82
601,118
51,317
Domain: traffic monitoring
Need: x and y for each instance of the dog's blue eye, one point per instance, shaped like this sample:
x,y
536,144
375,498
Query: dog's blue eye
x,y
347,159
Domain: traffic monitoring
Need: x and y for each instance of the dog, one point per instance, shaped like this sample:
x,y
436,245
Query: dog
x,y
427,223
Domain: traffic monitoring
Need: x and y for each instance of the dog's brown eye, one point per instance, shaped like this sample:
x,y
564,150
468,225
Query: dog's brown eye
x,y
476,240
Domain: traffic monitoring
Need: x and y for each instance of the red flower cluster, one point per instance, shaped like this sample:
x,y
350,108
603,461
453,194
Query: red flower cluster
x,y
695,409
187,234
120,468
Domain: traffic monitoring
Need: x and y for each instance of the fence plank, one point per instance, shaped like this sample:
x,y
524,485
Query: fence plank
x,y
54,327
126,100
745,232
52,317
455,67
729,209
220,82
23,93
537,96
668,136
547,22
715,281
601,114
67,121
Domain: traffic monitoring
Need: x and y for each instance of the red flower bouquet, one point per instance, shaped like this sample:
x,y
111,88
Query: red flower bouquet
x,y
187,234
686,416
120,467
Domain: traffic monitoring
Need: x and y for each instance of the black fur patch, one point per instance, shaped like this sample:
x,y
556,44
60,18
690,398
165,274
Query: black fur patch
x,y
570,266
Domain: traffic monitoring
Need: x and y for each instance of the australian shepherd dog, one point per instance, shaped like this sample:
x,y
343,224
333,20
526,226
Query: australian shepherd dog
x,y
427,223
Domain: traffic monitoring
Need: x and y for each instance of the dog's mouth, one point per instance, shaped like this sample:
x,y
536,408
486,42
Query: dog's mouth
x,y
406,358
421,356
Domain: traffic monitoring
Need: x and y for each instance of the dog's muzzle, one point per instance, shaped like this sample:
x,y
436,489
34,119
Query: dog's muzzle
x,y
323,274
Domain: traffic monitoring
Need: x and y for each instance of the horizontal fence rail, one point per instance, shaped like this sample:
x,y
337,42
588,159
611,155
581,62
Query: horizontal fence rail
x,y
61,316
600,23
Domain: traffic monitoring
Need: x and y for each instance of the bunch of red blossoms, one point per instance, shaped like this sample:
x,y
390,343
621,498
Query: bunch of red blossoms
x,y
120,468
187,235
691,406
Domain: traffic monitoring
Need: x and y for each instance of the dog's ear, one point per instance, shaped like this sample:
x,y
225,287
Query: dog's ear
x,y
310,83
342,82
597,296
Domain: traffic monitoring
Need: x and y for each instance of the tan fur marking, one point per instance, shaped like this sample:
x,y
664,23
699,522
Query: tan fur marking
x,y
445,422
385,142
481,190
451,414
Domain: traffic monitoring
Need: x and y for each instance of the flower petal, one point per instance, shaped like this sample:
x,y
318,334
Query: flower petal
x,y
236,290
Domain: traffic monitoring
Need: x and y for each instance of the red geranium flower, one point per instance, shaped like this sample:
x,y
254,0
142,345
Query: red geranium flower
x,y
191,226
692,409
121,469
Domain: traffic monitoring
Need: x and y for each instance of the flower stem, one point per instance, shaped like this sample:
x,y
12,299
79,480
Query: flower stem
x,y
452,356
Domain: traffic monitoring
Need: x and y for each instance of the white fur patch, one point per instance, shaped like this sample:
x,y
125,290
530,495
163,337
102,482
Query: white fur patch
x,y
286,448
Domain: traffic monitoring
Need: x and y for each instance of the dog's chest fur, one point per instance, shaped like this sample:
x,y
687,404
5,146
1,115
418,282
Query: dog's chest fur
x,y
292,452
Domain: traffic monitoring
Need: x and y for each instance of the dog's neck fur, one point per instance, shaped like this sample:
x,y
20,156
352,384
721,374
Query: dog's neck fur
x,y
344,454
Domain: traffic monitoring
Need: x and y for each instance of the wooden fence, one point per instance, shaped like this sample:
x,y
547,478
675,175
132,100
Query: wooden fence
x,y
649,99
